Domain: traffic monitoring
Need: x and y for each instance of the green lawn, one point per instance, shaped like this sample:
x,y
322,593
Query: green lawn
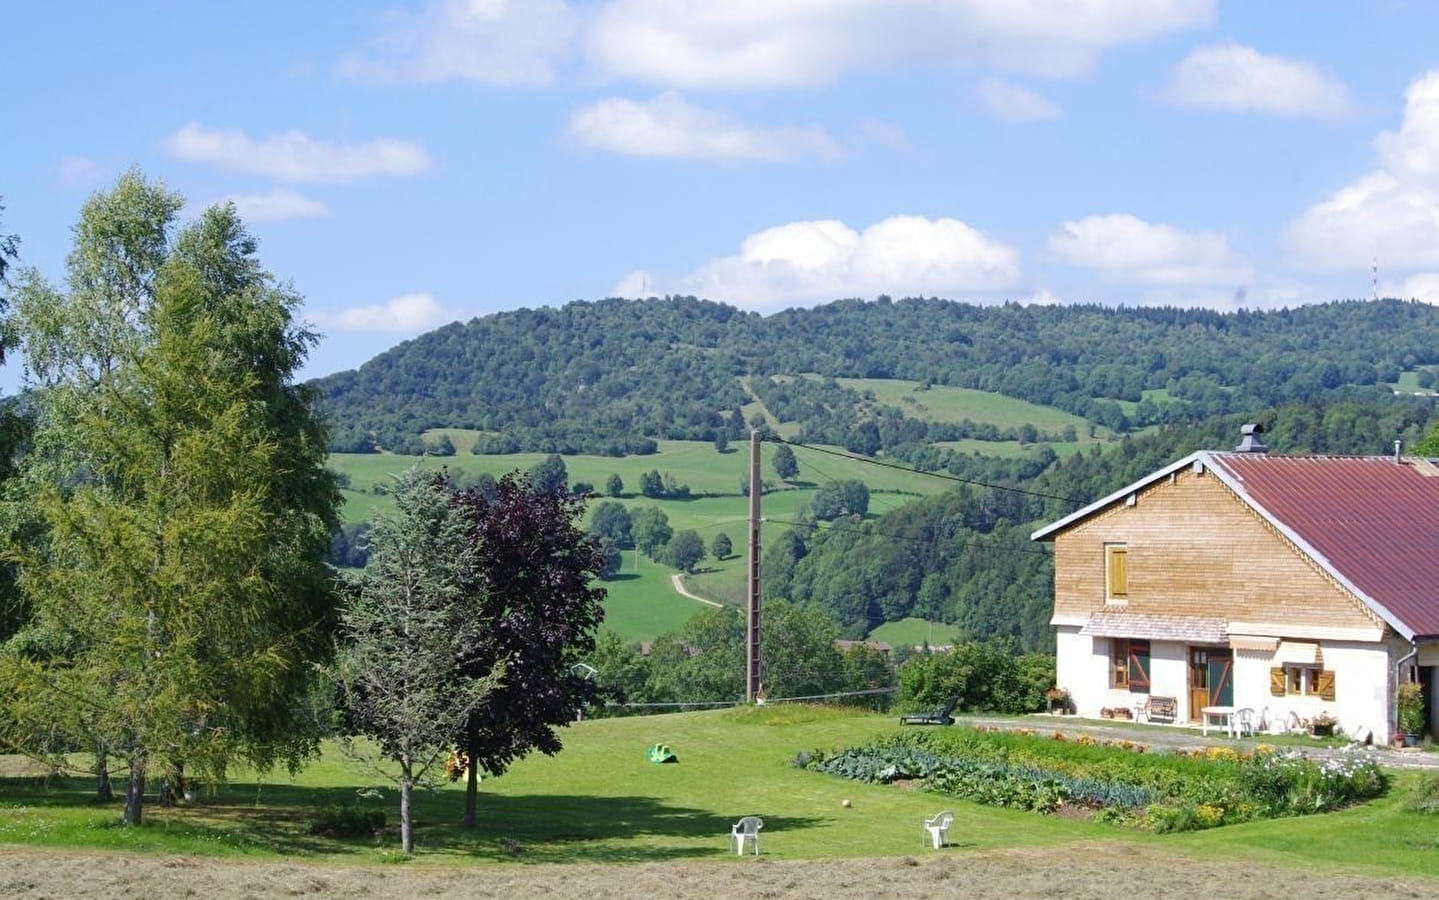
x,y
600,800
915,632
642,603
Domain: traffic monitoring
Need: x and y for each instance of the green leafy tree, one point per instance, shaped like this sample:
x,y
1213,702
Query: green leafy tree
x,y
651,529
614,485
177,478
652,484
440,446
549,474
798,649
406,635
722,546
685,550
721,441
704,662
785,465
840,498
623,671
612,521
9,253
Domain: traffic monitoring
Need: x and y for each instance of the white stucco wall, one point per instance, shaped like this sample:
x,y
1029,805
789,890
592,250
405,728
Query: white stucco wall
x,y
1361,682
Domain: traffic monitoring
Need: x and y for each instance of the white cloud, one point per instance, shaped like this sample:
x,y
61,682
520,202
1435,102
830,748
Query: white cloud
x,y
1234,77
278,205
1412,152
816,261
668,126
81,172
804,43
499,42
295,156
410,312
1127,249
1391,213
1013,103
1424,288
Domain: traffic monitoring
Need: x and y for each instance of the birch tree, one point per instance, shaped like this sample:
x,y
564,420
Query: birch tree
x,y
183,511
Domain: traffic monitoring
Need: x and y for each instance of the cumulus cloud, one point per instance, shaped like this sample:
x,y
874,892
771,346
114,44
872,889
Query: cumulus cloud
x,y
703,44
1233,77
498,42
1013,103
1391,213
295,156
670,127
278,205
1126,249
815,261
410,312
1423,287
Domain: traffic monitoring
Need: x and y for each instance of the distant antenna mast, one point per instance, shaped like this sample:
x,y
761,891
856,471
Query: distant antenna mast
x,y
1374,277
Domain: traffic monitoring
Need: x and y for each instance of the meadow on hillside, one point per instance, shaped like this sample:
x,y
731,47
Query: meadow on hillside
x,y
642,601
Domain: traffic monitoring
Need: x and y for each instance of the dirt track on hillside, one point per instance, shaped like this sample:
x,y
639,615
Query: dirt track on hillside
x,y
1090,870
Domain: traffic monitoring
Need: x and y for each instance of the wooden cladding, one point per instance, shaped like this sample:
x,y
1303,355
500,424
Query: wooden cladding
x,y
1191,548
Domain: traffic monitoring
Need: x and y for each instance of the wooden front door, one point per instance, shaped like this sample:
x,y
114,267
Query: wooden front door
x,y
1211,679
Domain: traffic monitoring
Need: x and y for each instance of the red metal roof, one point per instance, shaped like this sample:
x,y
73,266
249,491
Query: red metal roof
x,y
1370,521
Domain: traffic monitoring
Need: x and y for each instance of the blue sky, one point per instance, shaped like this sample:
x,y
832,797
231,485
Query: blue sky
x,y
413,162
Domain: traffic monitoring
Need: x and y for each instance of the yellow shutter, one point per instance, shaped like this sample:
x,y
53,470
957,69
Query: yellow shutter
x,y
1278,682
1118,572
1326,684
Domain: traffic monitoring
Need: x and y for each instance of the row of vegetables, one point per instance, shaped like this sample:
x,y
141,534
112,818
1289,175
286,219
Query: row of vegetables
x,y
1118,781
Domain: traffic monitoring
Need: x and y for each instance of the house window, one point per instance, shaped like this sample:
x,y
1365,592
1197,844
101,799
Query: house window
x,y
1129,665
1301,681
1116,573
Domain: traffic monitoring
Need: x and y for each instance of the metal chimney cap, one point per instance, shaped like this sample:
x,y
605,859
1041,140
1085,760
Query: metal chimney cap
x,y
1251,442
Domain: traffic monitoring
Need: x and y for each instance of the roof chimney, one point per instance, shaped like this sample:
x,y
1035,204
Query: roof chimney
x,y
1398,452
1251,442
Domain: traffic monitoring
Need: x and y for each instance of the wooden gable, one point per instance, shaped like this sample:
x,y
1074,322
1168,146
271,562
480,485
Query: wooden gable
x,y
1192,548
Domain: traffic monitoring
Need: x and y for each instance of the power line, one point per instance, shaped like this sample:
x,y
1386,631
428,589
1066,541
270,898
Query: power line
x,y
941,475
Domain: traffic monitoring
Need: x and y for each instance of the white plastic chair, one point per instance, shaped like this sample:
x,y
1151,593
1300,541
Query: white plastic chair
x,y
746,829
936,827
1241,722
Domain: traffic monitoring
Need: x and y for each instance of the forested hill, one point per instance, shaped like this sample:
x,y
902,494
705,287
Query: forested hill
x,y
602,377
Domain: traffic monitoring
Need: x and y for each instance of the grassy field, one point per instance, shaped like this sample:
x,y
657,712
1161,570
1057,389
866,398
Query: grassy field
x,y
941,403
600,801
914,632
642,603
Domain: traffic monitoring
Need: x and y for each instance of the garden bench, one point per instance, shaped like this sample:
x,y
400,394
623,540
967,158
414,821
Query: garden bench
x,y
1157,709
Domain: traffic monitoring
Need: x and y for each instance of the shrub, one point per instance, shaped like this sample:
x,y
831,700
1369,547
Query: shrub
x,y
345,820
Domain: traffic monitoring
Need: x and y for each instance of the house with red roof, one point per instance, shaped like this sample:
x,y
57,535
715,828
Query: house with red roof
x,y
1293,586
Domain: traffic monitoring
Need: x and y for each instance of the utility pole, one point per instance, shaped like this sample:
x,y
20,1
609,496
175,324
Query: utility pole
x,y
752,658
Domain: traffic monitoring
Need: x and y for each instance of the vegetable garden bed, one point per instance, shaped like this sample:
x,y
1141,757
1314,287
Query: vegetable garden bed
x,y
1115,781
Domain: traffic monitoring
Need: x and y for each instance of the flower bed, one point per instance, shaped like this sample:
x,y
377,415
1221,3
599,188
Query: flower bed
x,y
1117,780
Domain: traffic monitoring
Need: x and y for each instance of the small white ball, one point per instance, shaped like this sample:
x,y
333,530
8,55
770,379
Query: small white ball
x,y
844,803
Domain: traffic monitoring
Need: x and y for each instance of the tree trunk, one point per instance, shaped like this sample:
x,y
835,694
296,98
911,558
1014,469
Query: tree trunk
x,y
407,831
104,791
135,791
472,775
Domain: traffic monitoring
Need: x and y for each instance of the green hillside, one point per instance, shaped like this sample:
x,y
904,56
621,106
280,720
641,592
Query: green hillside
x,y
611,377
642,602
